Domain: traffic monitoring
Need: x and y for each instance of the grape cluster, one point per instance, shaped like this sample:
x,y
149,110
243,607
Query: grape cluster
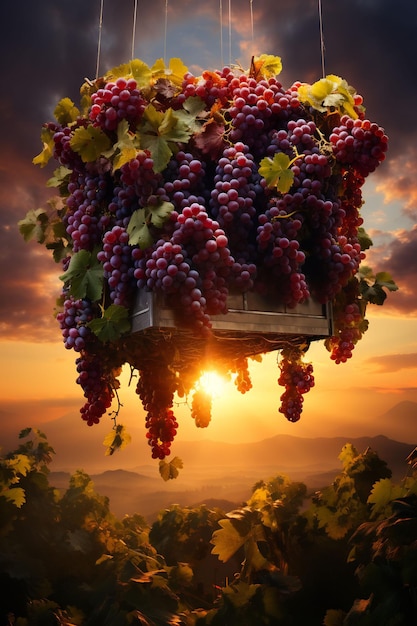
x,y
97,387
84,219
191,267
156,388
116,257
115,102
348,321
201,408
73,319
243,380
297,378
359,144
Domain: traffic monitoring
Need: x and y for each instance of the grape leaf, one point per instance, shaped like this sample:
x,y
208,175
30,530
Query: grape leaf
x,y
160,213
382,493
84,275
66,112
89,143
327,93
170,470
334,617
138,230
34,225
227,540
47,138
117,439
211,138
114,323
266,65
158,130
59,177
364,239
276,171
125,148
240,593
175,70
140,72
16,495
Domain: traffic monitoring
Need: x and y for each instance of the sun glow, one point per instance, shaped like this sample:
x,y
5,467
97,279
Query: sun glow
x,y
212,383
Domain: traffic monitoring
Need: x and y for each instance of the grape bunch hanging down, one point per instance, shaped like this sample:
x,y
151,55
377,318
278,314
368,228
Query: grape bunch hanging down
x,y
195,188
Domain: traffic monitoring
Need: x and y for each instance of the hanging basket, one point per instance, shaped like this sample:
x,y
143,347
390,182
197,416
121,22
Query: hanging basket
x,y
207,219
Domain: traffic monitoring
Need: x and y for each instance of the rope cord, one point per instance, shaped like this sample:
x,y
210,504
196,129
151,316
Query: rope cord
x,y
135,14
221,33
166,31
251,24
230,33
100,28
321,40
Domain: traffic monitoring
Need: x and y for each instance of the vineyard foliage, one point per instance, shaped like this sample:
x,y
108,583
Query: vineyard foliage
x,y
345,556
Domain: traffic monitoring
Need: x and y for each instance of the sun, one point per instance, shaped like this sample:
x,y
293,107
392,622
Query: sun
x,y
212,383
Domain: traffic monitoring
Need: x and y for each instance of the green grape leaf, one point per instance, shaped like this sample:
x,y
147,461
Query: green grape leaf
x,y
170,470
84,275
383,492
138,230
384,279
112,325
240,593
117,439
159,129
34,225
276,171
227,540
125,148
89,143
160,213
364,239
59,177
47,138
66,112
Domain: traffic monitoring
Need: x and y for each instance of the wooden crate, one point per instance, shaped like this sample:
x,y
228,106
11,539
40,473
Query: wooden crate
x,y
254,324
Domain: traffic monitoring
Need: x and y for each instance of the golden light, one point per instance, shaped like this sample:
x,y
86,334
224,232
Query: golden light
x,y
212,383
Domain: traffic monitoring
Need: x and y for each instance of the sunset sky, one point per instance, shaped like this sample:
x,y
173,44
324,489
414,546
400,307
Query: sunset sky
x,y
48,47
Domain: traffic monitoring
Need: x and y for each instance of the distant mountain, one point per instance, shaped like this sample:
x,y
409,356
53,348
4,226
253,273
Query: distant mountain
x,y
400,421
223,472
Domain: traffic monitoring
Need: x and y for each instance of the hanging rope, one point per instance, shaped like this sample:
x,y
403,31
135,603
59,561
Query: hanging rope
x,y
166,31
230,33
135,13
321,40
100,28
251,24
221,33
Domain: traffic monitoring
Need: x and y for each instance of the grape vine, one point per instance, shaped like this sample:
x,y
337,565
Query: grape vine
x,y
197,188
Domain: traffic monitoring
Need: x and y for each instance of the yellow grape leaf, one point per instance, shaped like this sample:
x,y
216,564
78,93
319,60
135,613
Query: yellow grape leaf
x,y
174,72
266,65
277,172
66,112
117,439
383,492
90,143
16,495
120,71
227,540
170,470
141,72
47,138
126,147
